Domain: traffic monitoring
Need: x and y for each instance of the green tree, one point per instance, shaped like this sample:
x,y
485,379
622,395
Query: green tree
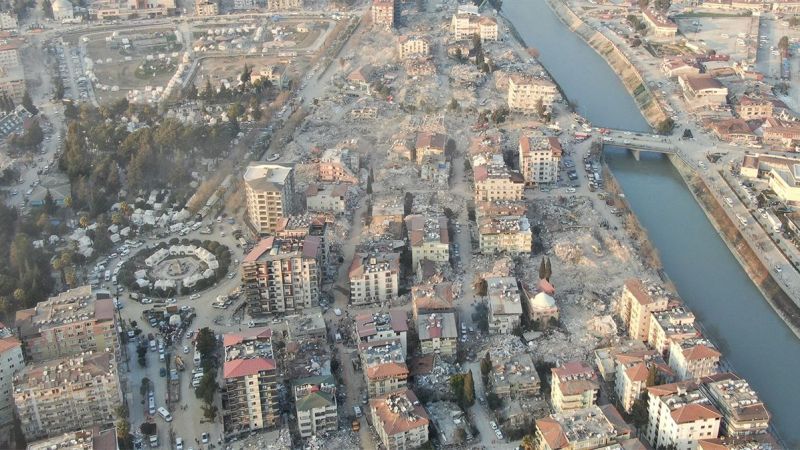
x,y
783,45
206,345
469,389
453,106
665,126
47,9
486,366
27,103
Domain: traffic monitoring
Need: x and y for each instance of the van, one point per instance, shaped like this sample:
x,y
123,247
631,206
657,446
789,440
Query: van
x,y
196,358
151,402
357,410
165,414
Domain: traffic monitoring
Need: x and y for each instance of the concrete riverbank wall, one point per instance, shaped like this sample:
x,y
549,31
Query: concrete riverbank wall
x,y
651,109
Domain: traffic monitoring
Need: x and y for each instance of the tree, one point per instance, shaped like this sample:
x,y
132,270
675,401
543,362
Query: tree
x,y
145,387
542,270
528,442
27,103
50,206
494,401
47,9
453,106
206,345
469,389
665,126
540,109
123,427
548,269
246,74
783,45
486,366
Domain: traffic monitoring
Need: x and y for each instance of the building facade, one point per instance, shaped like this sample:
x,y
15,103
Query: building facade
x,y
428,238
505,304
743,412
206,9
412,46
281,275
315,405
269,192
679,415
384,13
374,277
67,394
11,362
636,304
539,159
503,227
574,386
495,181
252,390
438,334
399,420
72,322
466,23
693,358
528,94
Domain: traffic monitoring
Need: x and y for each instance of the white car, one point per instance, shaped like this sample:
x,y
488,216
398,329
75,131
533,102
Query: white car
x,y
493,425
194,296
185,349
178,443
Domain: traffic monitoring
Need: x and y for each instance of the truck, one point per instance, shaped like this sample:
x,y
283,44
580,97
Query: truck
x,y
179,363
774,221
174,386
356,425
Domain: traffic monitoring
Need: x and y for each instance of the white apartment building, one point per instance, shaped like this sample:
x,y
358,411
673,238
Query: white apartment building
x,y
466,23
693,358
412,47
679,415
428,238
374,277
67,394
382,326
495,181
539,158
269,191
315,405
671,325
244,4
573,386
636,304
206,8
323,197
503,227
399,420
252,393
438,334
284,5
505,304
526,93
9,54
8,21
281,275
743,412
11,362
383,364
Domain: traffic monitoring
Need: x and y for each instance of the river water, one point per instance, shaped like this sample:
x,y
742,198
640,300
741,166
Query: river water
x,y
735,315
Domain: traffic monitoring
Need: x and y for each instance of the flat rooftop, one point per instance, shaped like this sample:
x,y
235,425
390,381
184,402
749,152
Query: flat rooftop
x,y
249,343
504,295
264,176
74,305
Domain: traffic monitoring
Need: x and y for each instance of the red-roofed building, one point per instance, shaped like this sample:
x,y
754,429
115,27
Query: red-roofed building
x,y
634,371
382,326
679,415
438,333
428,238
693,358
574,386
495,181
281,275
252,391
586,428
636,304
399,420
374,277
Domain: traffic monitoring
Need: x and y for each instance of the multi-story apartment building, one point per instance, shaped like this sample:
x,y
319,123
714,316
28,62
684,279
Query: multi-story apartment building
x,y
9,53
281,275
12,82
8,21
284,5
636,305
326,198
505,304
703,90
67,394
412,46
693,358
671,325
384,13
756,441
70,323
503,227
11,362
382,326
679,415
659,25
438,334
633,373
374,277
466,23
252,390
752,108
743,412
243,4
495,181
384,366
433,297
93,438
574,386
300,226
206,8
428,238
429,146
399,420
606,359
527,93
593,427
515,377
539,158
339,165
315,405
269,191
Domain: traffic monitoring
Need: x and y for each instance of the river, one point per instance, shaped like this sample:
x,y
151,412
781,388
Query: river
x,y
754,340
